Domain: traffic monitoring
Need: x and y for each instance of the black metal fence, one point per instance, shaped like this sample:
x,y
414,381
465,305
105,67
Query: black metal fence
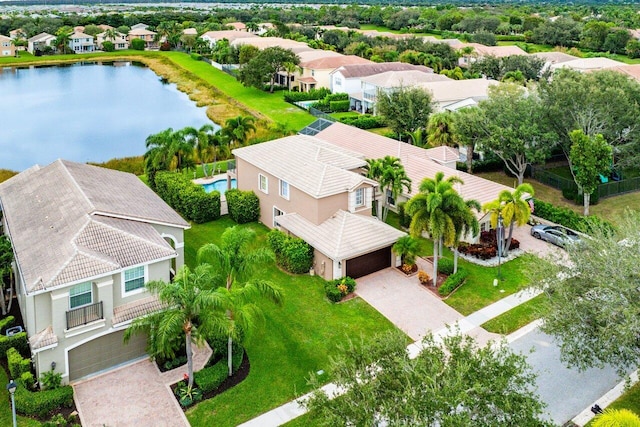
x,y
83,315
607,189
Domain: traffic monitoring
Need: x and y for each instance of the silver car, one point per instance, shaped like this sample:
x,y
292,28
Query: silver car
x,y
555,234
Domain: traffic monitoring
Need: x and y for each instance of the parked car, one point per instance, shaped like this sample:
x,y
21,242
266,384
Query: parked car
x,y
555,234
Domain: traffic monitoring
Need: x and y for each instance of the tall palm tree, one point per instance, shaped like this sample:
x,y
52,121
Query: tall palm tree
x,y
238,129
441,130
373,170
235,260
513,208
616,418
290,68
465,223
191,307
202,141
391,176
110,34
435,209
63,36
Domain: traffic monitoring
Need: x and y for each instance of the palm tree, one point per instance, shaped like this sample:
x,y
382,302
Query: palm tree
x,y
191,307
167,145
436,209
290,68
407,247
391,177
238,128
417,137
202,140
513,208
63,36
469,129
465,222
253,27
441,130
373,170
110,34
616,418
235,260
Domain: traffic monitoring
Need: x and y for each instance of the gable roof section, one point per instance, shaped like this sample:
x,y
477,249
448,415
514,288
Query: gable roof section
x,y
230,35
588,64
418,162
314,167
364,70
58,235
41,36
333,62
391,79
450,91
497,51
555,57
344,235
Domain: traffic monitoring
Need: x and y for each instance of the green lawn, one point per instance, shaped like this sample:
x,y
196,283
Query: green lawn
x,y
629,400
295,340
517,317
381,28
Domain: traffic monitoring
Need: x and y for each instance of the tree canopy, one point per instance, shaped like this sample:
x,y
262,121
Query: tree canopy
x,y
404,109
262,68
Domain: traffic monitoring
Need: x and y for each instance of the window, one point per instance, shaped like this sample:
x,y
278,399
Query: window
x,y
80,295
134,279
276,213
263,183
284,189
360,197
338,81
313,72
390,198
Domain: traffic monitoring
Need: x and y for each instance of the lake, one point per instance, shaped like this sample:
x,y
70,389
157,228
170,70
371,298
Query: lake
x,y
86,112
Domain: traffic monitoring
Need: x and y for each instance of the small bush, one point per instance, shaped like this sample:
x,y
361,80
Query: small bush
x,y
137,44
196,56
17,364
50,380
332,292
445,266
424,277
187,396
453,282
6,323
244,206
17,341
336,289
210,378
108,46
42,403
189,199
28,380
339,106
292,254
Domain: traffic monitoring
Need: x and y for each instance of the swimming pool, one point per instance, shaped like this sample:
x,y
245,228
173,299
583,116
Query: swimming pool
x,y
219,185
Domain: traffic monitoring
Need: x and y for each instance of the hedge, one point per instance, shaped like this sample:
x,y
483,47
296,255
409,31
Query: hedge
x,y
339,106
42,403
244,206
6,323
453,282
17,341
336,289
578,199
312,95
445,266
292,254
568,218
210,378
364,121
189,199
18,365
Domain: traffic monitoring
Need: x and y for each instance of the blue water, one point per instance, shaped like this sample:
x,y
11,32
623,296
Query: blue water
x,y
219,185
86,112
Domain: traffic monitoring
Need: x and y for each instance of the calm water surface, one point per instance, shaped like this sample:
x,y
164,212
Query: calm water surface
x,y
86,112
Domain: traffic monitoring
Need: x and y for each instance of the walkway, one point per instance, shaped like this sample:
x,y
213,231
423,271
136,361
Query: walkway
x,y
135,394
294,409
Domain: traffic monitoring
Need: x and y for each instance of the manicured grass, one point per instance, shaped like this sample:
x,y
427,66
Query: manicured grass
x,y
345,114
531,47
5,406
388,30
629,400
296,339
517,317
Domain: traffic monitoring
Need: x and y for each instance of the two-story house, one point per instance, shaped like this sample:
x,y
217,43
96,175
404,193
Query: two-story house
x,y
119,41
316,71
7,48
347,78
81,43
86,240
317,191
148,36
39,42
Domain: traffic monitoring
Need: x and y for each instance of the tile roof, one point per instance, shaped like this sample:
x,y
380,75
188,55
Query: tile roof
x,y
555,57
363,70
456,90
333,62
141,32
41,36
135,309
344,235
80,35
588,64
629,70
392,79
70,222
418,162
42,339
310,165
230,35
314,54
265,42
497,51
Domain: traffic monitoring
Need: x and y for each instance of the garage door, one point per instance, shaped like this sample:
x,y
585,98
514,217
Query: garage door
x,y
104,353
369,263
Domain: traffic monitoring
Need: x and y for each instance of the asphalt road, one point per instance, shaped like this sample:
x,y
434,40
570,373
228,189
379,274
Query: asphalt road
x,y
567,392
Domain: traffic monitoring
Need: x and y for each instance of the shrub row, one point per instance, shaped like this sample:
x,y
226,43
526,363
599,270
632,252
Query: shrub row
x,y
313,94
189,199
568,218
510,38
292,254
210,378
330,101
445,266
572,195
364,121
244,206
17,341
453,282
336,289
339,106
42,403
18,365
6,323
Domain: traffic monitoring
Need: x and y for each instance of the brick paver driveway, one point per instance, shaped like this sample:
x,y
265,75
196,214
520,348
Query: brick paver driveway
x,y
134,395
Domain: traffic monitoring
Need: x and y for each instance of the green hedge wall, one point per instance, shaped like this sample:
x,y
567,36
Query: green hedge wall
x,y
364,121
292,254
453,282
244,206
568,218
18,365
42,403
312,95
339,106
6,323
17,341
187,198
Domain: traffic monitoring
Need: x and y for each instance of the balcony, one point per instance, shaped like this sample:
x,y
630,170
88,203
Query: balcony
x,y
83,315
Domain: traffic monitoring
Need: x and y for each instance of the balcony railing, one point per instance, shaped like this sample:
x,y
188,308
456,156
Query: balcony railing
x,y
83,315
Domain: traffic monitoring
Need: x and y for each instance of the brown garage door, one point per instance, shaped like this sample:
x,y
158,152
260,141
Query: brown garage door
x,y
369,263
104,353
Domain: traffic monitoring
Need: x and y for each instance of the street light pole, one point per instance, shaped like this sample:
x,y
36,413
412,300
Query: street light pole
x,y
500,240
12,390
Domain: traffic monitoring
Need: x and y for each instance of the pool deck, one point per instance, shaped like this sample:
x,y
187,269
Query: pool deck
x,y
224,209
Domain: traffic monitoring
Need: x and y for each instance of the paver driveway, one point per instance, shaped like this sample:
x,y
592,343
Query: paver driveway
x,y
134,395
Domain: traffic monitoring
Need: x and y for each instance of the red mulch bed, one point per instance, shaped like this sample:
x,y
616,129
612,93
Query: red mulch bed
x,y
413,271
441,278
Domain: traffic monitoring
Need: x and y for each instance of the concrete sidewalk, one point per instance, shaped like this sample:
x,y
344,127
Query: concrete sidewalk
x,y
466,325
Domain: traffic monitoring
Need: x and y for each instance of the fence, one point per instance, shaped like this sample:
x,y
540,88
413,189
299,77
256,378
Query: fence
x,y
608,189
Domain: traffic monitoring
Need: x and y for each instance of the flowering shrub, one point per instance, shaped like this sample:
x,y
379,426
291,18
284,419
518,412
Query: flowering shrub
x,y
424,277
338,288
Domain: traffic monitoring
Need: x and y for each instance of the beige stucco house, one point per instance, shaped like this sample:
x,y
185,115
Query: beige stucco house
x,y
316,69
316,191
7,48
86,240
148,36
119,41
